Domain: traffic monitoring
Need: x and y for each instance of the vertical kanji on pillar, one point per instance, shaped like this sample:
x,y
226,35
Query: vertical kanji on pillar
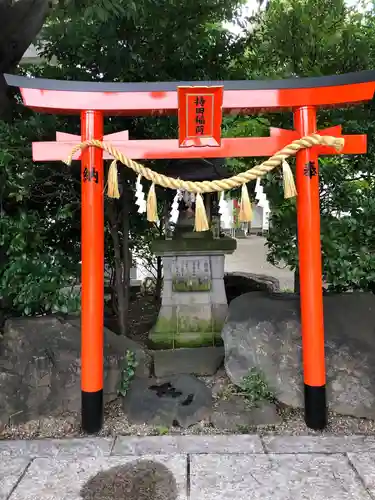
x,y
92,173
310,270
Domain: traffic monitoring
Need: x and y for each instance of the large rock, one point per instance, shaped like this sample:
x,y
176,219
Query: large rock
x,y
237,284
234,414
40,368
264,332
182,400
123,344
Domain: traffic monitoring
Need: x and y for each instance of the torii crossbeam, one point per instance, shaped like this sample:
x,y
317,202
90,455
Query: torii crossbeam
x,y
94,101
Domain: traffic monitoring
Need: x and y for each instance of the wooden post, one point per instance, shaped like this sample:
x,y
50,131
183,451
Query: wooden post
x,y
92,173
310,270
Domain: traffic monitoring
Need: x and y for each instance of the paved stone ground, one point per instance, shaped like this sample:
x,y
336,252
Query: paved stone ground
x,y
251,257
238,467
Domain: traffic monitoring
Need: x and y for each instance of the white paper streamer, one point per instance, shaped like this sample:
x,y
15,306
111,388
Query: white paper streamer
x,y
174,210
260,195
224,210
263,202
140,196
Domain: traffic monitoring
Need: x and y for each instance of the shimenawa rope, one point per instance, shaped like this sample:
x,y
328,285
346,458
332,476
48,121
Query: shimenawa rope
x,y
238,180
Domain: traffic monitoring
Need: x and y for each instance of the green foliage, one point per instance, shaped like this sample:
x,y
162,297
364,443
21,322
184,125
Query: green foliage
x,y
307,38
32,274
243,126
187,41
128,372
101,10
40,204
120,40
161,430
34,264
255,389
299,38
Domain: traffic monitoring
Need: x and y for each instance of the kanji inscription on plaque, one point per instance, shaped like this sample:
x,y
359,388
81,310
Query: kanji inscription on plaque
x,y
191,274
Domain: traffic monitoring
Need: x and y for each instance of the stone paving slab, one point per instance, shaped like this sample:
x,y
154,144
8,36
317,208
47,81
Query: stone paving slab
x,y
191,467
364,463
277,477
318,444
187,444
102,478
78,447
11,472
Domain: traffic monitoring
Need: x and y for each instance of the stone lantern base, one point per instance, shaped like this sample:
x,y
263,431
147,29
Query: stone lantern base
x,y
194,303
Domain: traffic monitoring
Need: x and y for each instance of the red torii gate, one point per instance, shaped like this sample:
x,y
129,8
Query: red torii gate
x,y
94,101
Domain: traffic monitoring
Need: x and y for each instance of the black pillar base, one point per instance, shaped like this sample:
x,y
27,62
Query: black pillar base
x,y
316,414
92,411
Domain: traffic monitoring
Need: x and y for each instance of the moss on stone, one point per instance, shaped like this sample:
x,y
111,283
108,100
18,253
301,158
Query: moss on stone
x,y
186,332
188,324
182,325
168,340
187,232
225,244
165,325
193,285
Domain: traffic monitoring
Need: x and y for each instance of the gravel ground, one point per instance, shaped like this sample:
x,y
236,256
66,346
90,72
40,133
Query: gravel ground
x,y
116,424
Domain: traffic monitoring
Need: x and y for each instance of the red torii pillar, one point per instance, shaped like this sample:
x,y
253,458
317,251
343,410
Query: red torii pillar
x,y
310,262
92,249
310,271
93,101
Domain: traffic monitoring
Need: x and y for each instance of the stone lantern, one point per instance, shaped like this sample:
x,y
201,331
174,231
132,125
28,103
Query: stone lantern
x,y
194,303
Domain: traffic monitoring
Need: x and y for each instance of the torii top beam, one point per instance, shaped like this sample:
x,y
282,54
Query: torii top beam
x,y
249,96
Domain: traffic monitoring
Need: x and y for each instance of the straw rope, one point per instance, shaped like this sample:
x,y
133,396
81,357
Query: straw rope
x,y
220,184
